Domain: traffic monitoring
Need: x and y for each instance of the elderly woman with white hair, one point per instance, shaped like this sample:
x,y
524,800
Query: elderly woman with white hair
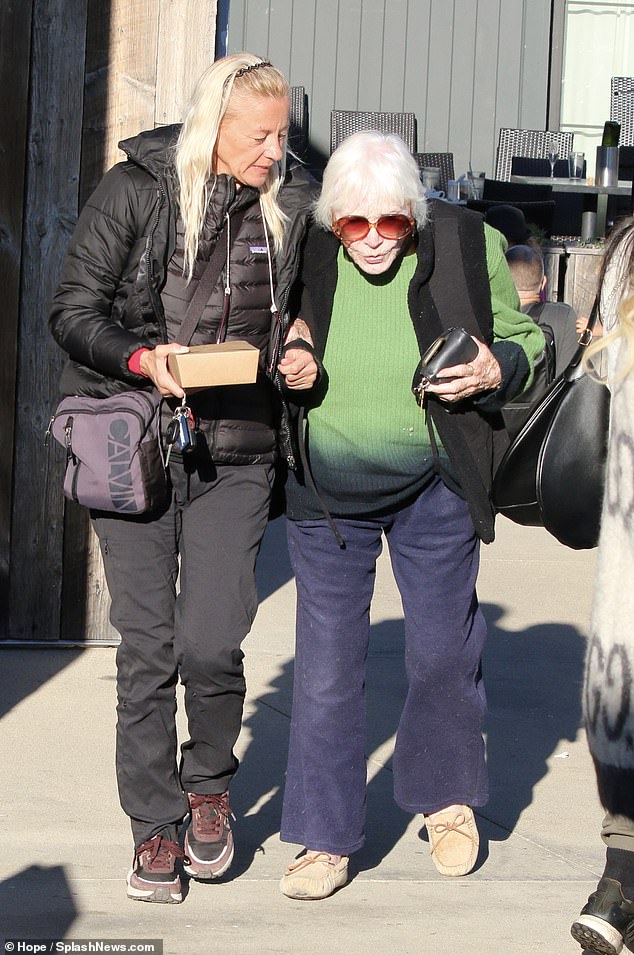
x,y
384,274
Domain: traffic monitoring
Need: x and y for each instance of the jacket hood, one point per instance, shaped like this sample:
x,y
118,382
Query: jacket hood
x,y
153,148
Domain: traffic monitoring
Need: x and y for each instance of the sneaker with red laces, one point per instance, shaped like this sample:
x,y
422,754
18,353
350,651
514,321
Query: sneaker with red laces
x,y
209,840
153,876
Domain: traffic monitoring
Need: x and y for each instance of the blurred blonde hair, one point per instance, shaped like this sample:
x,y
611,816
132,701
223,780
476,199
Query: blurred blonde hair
x,y
624,329
372,171
619,252
217,89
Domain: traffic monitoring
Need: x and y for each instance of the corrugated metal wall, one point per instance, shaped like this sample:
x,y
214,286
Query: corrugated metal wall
x,y
464,67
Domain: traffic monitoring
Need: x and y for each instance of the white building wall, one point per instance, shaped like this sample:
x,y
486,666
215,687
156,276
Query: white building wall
x,y
464,67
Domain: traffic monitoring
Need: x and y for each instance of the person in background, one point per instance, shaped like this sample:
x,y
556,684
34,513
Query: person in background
x,y
138,252
510,221
606,923
384,273
526,264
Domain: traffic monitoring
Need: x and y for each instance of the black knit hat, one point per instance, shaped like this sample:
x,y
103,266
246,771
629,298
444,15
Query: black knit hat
x,y
509,221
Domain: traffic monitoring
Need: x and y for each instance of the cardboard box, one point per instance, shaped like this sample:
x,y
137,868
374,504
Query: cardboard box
x,y
230,363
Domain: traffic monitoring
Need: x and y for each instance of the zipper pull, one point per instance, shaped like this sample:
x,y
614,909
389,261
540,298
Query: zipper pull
x,y
47,433
68,441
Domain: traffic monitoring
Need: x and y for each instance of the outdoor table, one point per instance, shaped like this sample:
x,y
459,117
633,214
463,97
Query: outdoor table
x,y
582,187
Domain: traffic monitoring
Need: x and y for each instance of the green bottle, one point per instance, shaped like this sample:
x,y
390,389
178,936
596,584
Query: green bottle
x,y
611,133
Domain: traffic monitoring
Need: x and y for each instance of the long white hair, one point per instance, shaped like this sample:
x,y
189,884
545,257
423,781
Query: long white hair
x,y
373,171
216,90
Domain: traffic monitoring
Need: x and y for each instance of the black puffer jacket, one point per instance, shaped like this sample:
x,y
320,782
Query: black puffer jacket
x,y
108,302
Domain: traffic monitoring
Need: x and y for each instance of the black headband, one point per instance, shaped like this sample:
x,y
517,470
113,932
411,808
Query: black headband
x,y
254,66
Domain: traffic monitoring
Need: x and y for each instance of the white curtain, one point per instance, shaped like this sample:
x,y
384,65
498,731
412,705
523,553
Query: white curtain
x,y
599,44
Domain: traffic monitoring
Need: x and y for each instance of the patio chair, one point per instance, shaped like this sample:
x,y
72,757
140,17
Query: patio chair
x,y
626,163
527,166
298,125
527,142
343,122
442,161
502,191
622,107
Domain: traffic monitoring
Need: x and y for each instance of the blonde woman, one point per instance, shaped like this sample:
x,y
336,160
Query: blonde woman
x,y
135,260
606,923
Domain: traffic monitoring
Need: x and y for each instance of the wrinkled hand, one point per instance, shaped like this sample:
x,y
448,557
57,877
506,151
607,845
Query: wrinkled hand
x,y
464,381
154,364
299,368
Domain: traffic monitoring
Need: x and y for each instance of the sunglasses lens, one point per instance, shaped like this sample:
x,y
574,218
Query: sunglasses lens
x,y
354,228
393,227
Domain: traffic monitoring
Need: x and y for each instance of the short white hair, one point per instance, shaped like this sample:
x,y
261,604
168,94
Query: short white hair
x,y
374,171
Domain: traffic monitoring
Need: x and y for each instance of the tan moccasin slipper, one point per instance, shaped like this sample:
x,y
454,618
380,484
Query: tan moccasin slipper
x,y
314,876
454,839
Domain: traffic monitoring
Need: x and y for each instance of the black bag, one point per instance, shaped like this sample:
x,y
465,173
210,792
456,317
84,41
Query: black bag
x,y
516,411
453,347
553,473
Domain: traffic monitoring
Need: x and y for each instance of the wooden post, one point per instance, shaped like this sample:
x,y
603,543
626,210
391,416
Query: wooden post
x,y
99,70
582,277
141,77
15,33
52,172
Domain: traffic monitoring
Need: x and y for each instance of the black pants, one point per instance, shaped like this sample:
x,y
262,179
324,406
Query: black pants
x,y
215,526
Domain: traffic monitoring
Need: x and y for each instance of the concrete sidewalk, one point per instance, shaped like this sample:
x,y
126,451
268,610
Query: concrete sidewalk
x,y
66,844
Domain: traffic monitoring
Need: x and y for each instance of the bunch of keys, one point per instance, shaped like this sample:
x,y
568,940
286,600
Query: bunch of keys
x,y
180,430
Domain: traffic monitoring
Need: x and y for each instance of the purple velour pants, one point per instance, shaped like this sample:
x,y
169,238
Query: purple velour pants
x,y
439,752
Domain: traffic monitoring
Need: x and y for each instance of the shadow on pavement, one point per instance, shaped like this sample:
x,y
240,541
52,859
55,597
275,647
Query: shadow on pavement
x,y
36,896
273,567
26,669
533,681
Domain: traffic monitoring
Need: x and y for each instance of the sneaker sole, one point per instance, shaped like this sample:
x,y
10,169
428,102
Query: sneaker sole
x,y
597,935
203,870
159,893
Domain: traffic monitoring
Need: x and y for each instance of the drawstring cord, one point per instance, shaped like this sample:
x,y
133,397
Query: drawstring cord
x,y
277,332
226,305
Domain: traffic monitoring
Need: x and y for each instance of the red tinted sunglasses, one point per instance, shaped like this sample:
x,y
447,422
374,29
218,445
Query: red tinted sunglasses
x,y
355,228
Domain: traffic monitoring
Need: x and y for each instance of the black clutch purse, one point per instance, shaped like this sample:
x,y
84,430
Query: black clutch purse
x,y
453,347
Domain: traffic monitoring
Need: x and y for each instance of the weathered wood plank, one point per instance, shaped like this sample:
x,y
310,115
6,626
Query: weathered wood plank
x,y
143,58
15,36
186,41
54,136
581,279
120,100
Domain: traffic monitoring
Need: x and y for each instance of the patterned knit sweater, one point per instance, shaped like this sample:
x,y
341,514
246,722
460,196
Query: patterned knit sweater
x,y
609,680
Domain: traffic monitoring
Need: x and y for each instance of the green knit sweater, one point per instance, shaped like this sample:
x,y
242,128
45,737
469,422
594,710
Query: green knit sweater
x,y
368,438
